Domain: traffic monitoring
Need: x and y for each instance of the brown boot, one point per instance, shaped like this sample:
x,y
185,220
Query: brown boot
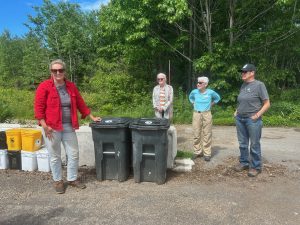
x,y
240,167
59,187
77,184
253,172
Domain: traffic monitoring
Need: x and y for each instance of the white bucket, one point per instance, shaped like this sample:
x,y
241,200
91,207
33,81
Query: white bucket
x,y
43,160
29,161
3,159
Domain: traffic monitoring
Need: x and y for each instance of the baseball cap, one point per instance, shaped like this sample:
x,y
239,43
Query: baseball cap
x,y
248,67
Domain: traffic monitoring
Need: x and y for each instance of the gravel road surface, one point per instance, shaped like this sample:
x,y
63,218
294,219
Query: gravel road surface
x,y
211,194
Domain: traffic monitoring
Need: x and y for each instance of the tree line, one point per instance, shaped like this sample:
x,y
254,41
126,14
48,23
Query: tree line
x,y
127,42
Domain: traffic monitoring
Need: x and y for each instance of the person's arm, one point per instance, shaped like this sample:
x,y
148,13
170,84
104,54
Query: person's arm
x,y
82,107
47,129
96,119
170,99
192,98
215,98
153,99
40,103
235,113
80,103
264,108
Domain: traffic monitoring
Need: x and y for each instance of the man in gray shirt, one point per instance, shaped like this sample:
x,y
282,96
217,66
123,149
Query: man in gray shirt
x,y
253,102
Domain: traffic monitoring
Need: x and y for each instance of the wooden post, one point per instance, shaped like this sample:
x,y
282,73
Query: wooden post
x,y
169,72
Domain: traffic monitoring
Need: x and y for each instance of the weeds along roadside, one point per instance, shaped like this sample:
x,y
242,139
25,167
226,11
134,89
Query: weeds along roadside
x,y
17,105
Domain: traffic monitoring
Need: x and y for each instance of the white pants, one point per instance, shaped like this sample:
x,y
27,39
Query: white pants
x,y
70,143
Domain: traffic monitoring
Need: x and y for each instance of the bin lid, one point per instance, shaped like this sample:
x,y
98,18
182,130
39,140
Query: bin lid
x,y
110,122
150,124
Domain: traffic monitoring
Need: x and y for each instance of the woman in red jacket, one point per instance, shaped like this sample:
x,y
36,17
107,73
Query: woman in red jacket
x,y
56,103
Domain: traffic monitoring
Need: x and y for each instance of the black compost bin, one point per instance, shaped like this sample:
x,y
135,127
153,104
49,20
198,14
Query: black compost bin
x,y
150,148
3,144
112,143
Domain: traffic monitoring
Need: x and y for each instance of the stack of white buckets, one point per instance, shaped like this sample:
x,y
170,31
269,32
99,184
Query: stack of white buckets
x,y
26,144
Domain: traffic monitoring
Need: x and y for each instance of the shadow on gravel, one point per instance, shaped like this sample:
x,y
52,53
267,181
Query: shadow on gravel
x,y
216,150
34,219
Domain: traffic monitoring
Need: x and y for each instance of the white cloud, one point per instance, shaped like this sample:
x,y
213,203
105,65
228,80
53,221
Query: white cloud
x,y
92,5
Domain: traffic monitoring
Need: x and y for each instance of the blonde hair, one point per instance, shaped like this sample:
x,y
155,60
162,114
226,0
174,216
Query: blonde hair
x,y
57,61
162,75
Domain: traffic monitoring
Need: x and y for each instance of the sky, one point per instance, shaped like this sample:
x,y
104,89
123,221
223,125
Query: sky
x,y
14,13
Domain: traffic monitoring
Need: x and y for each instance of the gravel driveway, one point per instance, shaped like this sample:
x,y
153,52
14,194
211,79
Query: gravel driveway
x,y
211,194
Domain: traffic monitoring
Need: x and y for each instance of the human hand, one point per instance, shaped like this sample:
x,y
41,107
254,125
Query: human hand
x,y
48,132
254,117
95,119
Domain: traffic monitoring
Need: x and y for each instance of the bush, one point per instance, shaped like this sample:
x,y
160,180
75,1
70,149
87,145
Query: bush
x,y
281,108
117,88
291,95
182,108
5,112
18,102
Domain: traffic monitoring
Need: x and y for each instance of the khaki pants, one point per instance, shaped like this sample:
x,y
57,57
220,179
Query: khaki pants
x,y
202,128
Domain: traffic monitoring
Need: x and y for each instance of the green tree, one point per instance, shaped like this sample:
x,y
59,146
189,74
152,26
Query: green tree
x,y
67,33
142,34
35,60
11,56
264,33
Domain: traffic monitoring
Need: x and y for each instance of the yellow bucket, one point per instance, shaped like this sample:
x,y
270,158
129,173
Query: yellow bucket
x,y
13,139
31,140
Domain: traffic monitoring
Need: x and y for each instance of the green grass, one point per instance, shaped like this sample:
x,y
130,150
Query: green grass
x,y
184,154
18,105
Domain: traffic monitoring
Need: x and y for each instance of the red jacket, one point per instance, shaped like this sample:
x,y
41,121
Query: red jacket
x,y
47,104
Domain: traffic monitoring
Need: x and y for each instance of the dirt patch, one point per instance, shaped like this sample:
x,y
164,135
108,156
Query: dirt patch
x,y
200,173
224,173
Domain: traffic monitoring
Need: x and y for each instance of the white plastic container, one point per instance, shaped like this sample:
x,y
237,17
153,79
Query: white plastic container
x,y
43,160
29,161
172,147
3,159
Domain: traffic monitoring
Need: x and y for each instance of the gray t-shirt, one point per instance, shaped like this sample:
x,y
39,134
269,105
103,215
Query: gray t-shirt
x,y
65,104
251,97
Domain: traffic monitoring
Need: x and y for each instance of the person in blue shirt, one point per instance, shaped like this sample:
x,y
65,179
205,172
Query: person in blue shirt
x,y
203,99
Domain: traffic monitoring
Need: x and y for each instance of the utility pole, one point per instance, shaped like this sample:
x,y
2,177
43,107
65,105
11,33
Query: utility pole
x,y
169,72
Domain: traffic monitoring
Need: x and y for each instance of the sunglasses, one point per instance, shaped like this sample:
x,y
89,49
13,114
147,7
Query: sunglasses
x,y
200,82
160,79
57,70
243,72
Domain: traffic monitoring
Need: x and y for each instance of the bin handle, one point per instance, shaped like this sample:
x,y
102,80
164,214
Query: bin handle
x,y
109,153
152,154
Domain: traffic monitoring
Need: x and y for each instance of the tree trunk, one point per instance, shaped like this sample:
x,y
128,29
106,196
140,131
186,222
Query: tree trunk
x,y
208,24
190,53
231,21
207,20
